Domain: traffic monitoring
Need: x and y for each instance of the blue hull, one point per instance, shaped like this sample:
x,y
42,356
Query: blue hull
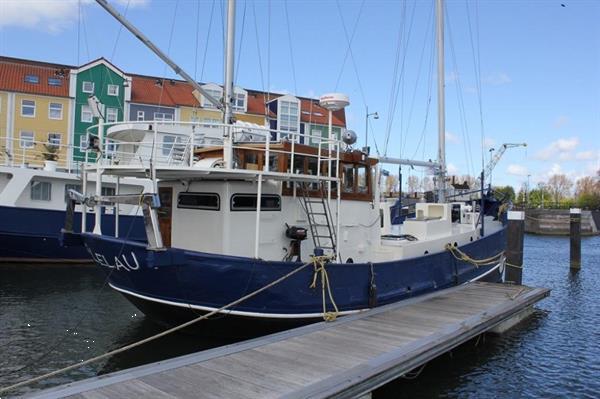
x,y
174,285
32,235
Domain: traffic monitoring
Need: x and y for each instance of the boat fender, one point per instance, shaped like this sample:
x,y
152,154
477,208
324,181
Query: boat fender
x,y
372,288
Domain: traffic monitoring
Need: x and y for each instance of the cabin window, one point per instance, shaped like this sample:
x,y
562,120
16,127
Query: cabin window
x,y
112,114
247,202
55,111
87,87
113,90
207,201
108,191
28,108
362,179
348,178
76,187
41,191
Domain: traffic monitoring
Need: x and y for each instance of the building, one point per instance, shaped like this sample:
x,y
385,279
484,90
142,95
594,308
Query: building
x,y
43,103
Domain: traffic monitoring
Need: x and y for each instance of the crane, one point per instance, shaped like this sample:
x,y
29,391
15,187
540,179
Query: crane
x,y
496,158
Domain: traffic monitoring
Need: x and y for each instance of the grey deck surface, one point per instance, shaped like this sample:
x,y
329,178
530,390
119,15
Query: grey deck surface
x,y
345,358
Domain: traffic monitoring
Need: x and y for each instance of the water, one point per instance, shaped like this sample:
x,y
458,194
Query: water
x,y
53,316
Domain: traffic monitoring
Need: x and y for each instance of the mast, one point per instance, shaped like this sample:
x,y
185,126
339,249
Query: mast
x,y
441,102
228,87
137,33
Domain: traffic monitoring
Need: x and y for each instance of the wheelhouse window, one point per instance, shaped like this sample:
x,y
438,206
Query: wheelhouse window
x,y
87,87
28,108
206,201
108,191
41,191
348,178
55,111
26,140
167,144
361,179
113,90
247,202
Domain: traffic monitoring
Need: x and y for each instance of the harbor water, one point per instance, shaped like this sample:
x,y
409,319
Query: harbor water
x,y
52,316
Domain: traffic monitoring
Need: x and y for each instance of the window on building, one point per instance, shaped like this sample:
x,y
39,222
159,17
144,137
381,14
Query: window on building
x,y
215,93
28,108
112,114
239,101
32,79
76,187
289,116
26,140
55,111
41,191
317,135
83,142
247,202
54,139
110,148
113,90
167,144
141,116
162,117
86,114
207,201
54,81
87,87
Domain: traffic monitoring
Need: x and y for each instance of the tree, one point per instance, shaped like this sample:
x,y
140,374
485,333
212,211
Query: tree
x,y
391,182
559,186
507,191
413,183
587,185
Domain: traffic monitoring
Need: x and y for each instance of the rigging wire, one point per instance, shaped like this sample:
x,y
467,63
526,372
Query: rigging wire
x,y
210,20
162,86
337,82
287,21
258,51
360,86
197,37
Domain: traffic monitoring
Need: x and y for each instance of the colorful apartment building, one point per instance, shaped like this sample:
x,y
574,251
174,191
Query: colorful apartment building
x,y
44,103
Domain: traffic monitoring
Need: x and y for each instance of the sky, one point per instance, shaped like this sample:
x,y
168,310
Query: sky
x,y
516,71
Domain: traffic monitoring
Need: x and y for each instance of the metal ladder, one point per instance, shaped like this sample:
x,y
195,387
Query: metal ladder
x,y
319,218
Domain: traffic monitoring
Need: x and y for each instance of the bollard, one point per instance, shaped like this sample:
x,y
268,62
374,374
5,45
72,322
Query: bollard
x,y
575,229
514,247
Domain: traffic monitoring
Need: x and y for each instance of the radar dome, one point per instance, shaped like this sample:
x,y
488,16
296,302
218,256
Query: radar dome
x,y
349,137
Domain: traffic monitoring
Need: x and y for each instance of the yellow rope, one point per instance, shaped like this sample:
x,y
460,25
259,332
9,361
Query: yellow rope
x,y
319,263
462,256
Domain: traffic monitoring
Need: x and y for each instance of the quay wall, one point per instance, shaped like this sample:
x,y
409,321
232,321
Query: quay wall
x,y
557,221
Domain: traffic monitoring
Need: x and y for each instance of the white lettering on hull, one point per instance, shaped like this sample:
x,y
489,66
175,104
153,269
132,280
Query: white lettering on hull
x,y
124,262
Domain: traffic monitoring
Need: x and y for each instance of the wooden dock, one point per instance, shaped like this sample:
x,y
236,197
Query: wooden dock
x,y
349,357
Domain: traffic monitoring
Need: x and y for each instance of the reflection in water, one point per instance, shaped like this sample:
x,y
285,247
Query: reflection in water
x,y
53,316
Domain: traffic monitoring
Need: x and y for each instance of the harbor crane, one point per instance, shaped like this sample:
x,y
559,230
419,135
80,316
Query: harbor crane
x,y
496,158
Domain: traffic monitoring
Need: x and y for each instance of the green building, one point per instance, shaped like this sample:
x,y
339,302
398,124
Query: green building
x,y
112,88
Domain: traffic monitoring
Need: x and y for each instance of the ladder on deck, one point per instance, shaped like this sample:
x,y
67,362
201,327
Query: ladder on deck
x,y
320,221
179,152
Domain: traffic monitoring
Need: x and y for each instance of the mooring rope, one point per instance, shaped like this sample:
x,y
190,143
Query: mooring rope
x,y
319,263
463,256
315,260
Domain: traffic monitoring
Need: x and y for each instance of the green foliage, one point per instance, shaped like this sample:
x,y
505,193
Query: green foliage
x,y
508,191
589,201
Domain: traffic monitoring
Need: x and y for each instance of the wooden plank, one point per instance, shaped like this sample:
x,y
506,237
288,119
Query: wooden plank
x,y
129,389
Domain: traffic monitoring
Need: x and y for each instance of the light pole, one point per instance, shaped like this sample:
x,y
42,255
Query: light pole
x,y
375,115
527,192
491,150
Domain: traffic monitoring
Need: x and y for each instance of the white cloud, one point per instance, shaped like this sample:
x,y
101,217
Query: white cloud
x,y
452,169
498,79
47,15
586,155
560,149
517,170
561,121
452,138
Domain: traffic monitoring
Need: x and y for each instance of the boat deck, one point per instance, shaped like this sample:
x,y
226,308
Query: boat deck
x,y
345,358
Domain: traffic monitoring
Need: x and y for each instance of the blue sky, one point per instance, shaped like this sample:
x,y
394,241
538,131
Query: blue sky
x,y
539,63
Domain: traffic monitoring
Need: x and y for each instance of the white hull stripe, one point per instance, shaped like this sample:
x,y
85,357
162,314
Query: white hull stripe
x,y
234,312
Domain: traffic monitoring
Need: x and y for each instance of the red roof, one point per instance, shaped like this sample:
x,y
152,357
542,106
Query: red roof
x,y
13,72
166,92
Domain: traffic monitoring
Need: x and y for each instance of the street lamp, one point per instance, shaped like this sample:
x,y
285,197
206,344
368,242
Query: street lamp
x,y
491,150
375,115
